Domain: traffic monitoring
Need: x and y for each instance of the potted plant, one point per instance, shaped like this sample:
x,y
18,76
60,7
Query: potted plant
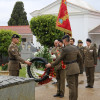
x,y
4,69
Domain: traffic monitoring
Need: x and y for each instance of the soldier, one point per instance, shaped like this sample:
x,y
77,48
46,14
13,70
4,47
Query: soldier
x,y
70,55
99,52
90,62
60,73
72,41
14,57
81,49
53,51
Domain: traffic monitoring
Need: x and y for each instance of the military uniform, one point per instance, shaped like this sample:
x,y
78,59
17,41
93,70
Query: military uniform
x,y
60,76
14,60
60,73
90,59
81,49
70,55
99,52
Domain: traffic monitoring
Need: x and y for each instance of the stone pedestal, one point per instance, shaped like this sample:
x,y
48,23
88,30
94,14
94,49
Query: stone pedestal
x,y
15,88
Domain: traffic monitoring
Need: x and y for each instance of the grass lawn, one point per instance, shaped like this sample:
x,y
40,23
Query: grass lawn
x,y
22,72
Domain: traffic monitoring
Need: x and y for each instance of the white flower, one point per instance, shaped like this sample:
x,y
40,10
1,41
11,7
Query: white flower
x,y
53,56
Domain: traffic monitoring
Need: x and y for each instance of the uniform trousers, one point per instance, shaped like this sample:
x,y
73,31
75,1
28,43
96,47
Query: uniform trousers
x,y
14,72
73,86
60,76
90,75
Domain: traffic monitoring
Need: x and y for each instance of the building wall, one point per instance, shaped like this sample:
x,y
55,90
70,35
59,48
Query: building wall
x,y
95,39
94,21
36,44
29,38
79,30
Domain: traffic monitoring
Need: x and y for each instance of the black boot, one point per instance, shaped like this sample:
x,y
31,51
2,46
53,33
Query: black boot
x,y
57,95
61,96
88,86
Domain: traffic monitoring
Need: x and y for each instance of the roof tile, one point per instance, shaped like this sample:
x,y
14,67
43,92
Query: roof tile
x,y
19,29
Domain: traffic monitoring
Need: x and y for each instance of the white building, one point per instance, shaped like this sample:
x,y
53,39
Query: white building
x,y
83,18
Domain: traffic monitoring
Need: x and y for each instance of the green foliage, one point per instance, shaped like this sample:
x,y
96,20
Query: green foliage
x,y
18,16
5,40
4,67
22,72
44,53
44,28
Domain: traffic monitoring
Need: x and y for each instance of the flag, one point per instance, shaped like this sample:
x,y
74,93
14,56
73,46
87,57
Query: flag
x,y
63,22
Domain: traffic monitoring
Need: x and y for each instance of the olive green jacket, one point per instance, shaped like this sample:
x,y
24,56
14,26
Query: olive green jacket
x,y
70,53
14,56
90,56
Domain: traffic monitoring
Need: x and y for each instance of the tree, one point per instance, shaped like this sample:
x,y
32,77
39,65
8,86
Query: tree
x,y
44,28
5,40
18,16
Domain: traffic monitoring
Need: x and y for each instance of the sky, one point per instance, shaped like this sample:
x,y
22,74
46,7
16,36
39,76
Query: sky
x,y
6,7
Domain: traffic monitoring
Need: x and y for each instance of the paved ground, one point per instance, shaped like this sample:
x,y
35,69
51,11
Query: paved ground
x,y
46,92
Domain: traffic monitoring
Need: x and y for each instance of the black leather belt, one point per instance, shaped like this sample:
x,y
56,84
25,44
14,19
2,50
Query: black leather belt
x,y
71,62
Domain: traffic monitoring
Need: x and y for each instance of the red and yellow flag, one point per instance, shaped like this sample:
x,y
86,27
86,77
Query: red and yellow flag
x,y
63,22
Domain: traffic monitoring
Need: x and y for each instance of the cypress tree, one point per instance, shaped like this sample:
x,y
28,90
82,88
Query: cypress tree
x,y
18,16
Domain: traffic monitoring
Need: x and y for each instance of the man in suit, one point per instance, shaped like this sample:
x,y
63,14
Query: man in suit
x,y
14,57
90,62
69,56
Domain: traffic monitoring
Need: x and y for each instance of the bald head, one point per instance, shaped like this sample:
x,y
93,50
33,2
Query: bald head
x,y
56,43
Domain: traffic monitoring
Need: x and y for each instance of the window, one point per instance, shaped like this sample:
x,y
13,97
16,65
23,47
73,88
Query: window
x,y
23,39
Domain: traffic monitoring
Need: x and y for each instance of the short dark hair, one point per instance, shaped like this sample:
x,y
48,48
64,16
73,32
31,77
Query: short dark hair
x,y
88,40
67,37
60,40
72,39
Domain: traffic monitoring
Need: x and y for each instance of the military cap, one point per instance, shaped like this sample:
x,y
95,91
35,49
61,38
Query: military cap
x,y
15,36
88,40
60,40
80,41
